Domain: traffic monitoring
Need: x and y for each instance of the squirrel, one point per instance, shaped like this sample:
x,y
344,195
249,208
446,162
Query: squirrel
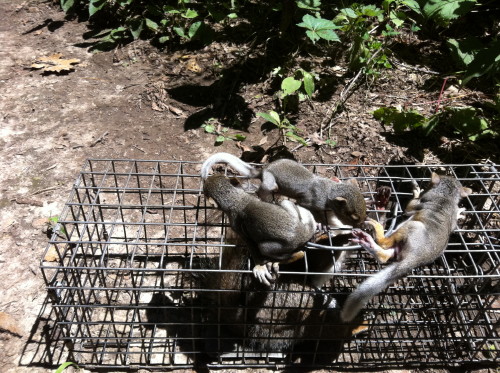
x,y
284,318
272,232
312,192
420,240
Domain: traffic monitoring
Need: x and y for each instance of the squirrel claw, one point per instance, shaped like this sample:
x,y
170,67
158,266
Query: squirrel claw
x,y
262,273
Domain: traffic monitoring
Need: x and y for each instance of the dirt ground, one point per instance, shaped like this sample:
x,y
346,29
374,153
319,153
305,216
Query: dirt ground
x,y
113,105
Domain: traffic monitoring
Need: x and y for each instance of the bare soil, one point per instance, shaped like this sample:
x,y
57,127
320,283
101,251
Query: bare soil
x,y
138,102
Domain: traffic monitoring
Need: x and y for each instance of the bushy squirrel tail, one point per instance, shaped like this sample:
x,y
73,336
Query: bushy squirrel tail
x,y
242,167
371,287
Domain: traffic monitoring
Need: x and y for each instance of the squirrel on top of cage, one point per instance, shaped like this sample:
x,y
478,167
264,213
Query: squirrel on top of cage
x,y
342,201
419,240
274,233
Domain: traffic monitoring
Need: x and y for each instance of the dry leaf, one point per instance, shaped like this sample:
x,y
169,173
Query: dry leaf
x,y
55,63
243,147
263,140
9,324
155,106
52,255
193,66
176,111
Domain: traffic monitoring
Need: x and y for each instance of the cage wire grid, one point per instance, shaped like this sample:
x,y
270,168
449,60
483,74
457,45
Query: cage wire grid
x,y
148,275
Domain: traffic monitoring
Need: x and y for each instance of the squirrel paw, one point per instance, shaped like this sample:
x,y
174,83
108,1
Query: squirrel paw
x,y
459,213
369,244
416,189
262,273
362,238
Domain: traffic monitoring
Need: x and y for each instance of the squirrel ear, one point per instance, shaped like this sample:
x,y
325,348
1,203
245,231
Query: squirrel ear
x,y
465,192
353,182
435,178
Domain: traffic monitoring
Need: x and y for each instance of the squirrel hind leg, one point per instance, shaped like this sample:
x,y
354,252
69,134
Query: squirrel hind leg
x,y
268,186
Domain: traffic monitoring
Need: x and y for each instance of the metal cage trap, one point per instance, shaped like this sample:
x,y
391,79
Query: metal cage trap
x,y
146,274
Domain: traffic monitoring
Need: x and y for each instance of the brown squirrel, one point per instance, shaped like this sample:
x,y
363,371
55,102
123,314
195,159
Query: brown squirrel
x,y
274,233
418,241
293,180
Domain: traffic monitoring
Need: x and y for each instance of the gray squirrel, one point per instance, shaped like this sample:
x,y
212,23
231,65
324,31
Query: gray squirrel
x,y
418,241
274,233
293,180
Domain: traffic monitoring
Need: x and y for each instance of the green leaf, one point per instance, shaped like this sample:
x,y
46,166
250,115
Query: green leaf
x,y
486,61
95,6
413,5
308,83
290,85
63,366
193,30
348,12
309,4
467,121
67,5
330,142
293,136
239,137
136,26
209,128
319,28
445,11
400,120
180,31
220,139
190,13
272,117
464,50
152,25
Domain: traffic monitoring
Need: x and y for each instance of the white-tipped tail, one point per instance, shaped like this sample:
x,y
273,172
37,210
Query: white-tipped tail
x,y
369,288
242,167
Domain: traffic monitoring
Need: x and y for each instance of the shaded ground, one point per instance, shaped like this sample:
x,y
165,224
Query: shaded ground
x,y
138,103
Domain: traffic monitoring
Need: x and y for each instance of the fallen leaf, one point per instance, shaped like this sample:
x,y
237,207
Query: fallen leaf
x,y
52,255
263,140
356,154
243,147
155,106
55,63
40,223
175,110
192,65
9,324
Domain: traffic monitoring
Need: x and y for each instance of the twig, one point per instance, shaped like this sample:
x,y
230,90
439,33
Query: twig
x,y
100,139
136,147
45,190
440,95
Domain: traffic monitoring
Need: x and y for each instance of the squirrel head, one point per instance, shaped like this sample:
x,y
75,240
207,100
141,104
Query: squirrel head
x,y
349,205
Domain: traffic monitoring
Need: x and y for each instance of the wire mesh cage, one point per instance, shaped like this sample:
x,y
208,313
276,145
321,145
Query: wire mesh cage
x,y
144,272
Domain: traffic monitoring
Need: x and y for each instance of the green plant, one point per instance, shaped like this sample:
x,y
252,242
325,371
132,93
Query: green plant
x,y
222,133
65,365
468,122
134,19
319,28
288,130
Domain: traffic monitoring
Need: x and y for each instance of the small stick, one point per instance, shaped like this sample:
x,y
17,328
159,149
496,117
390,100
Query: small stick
x,y
45,190
441,95
99,139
